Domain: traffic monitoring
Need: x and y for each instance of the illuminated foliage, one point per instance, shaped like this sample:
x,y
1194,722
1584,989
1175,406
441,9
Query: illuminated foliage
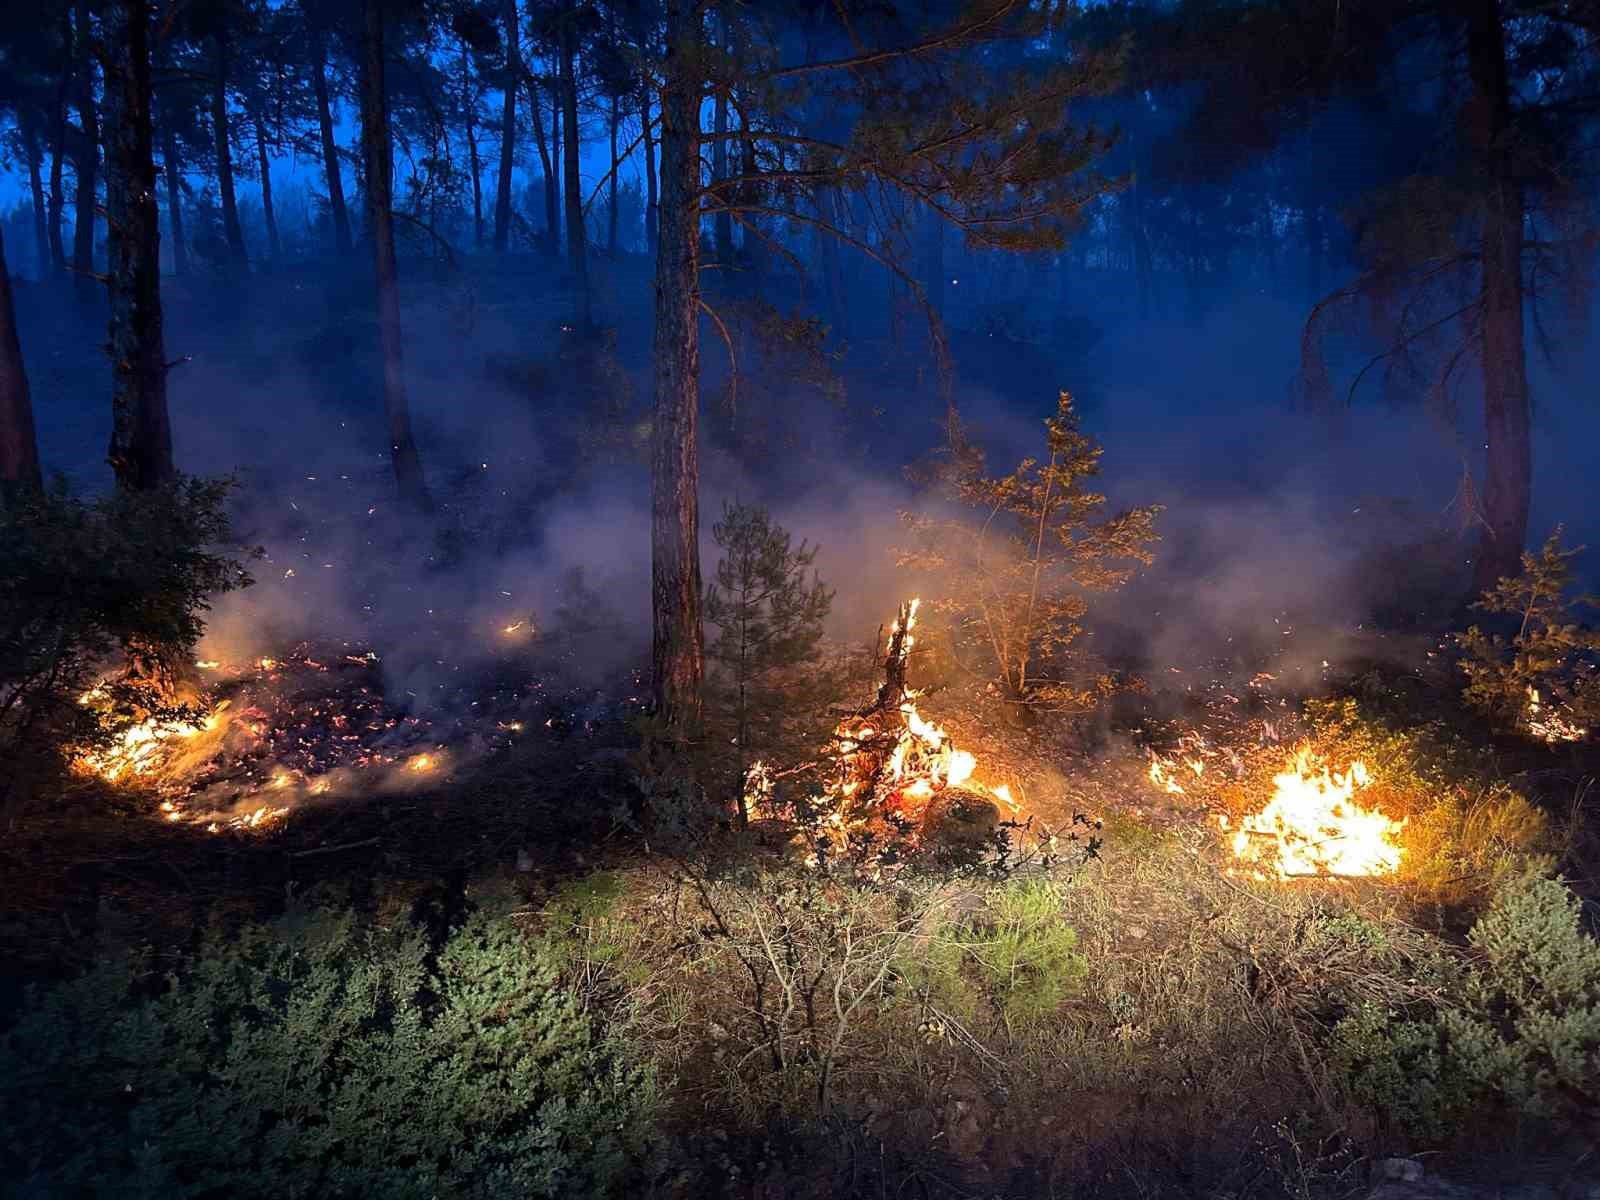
x,y
1013,568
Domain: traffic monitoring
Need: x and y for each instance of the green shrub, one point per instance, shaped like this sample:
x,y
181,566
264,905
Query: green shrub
x,y
1026,954
118,583
323,1056
1515,1026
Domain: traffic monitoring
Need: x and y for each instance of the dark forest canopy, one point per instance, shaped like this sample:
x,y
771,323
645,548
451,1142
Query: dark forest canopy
x,y
1417,172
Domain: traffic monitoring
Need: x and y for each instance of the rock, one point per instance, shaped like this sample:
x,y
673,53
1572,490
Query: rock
x,y
1408,1170
957,821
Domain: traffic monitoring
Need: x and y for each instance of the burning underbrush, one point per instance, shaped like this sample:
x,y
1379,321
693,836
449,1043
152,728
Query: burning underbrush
x,y
315,723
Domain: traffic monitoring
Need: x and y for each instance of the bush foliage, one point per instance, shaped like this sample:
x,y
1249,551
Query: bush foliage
x,y
324,1055
115,586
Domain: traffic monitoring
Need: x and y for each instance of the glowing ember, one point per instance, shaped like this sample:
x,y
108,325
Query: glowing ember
x,y
422,763
513,627
1313,826
1548,725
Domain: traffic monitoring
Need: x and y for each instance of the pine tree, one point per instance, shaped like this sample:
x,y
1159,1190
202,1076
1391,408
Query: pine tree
x,y
768,608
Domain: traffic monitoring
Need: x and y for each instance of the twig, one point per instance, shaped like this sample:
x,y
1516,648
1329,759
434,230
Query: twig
x,y
371,841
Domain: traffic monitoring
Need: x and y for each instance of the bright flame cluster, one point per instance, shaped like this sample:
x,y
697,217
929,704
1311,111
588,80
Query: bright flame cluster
x,y
1313,825
1548,725
138,750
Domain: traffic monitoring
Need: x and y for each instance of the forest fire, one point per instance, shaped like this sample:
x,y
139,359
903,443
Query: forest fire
x,y
1313,826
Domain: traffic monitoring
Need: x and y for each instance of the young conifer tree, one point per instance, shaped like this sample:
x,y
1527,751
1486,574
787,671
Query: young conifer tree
x,y
768,607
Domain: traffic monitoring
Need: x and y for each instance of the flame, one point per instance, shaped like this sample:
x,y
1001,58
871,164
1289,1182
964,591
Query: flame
x,y
1160,776
422,763
1313,826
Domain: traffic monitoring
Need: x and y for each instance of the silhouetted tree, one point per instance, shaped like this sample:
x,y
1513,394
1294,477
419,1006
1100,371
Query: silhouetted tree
x,y
19,447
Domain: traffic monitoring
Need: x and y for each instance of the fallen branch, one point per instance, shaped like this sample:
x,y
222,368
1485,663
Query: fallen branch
x,y
371,841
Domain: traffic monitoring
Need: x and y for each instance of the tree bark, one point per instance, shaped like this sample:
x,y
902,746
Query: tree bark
x,y
611,216
678,644
141,433
41,233
264,165
577,233
378,155
231,229
469,112
508,127
169,159
19,446
722,223
652,206
1508,463
58,137
552,197
343,243
87,159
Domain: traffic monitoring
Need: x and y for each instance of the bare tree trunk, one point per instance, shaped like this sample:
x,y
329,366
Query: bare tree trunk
x,y
141,434
469,110
652,206
231,229
722,223
1508,477
552,197
180,246
87,159
58,137
577,233
378,154
555,150
611,217
678,646
343,243
508,127
41,233
19,446
264,163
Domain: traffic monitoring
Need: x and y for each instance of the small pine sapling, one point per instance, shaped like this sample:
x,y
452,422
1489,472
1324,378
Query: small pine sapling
x,y
1016,561
1542,679
767,607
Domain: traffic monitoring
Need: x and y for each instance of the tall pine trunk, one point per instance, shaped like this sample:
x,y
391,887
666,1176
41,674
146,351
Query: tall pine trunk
x,y
56,203
652,205
141,434
378,155
722,223
264,165
19,446
678,642
1508,462
343,243
552,197
469,111
41,232
169,159
87,159
611,193
508,127
231,228
577,234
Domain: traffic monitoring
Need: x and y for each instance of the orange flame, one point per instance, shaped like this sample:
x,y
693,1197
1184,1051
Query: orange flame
x,y
1313,826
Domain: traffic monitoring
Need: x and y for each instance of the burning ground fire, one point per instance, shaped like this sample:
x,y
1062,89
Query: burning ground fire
x,y
897,773
301,725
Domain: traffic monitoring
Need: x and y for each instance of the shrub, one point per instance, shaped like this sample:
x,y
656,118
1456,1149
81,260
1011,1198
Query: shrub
x,y
1026,954
1516,1026
323,1055
91,586
1542,679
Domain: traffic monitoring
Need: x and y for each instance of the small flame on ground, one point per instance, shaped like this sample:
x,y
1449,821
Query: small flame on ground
x,y
422,763
1549,726
1161,776
1313,826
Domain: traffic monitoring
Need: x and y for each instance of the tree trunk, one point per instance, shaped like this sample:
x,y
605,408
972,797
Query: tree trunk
x,y
469,111
377,154
508,127
652,207
555,148
141,434
678,644
552,198
19,446
264,163
41,233
87,159
58,137
224,150
611,217
722,223
343,243
1508,462
180,247
577,233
